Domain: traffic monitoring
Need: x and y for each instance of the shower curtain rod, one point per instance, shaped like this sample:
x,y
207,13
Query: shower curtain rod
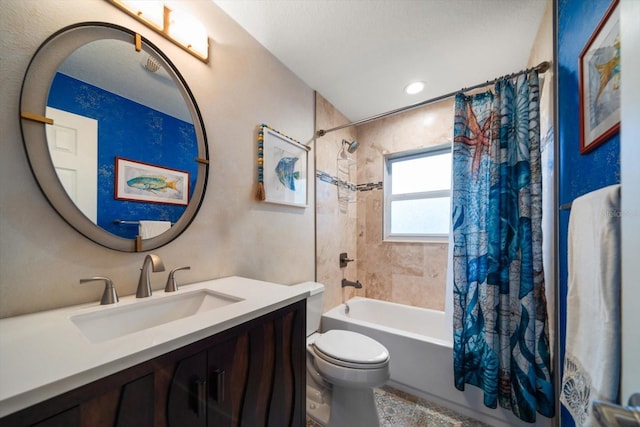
x,y
542,67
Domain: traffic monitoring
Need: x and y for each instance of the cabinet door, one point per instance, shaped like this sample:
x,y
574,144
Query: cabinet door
x,y
260,376
187,401
121,400
135,408
256,375
126,405
227,364
287,404
275,391
68,418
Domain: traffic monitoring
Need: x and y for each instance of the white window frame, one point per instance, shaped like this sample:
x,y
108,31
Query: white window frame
x,y
389,159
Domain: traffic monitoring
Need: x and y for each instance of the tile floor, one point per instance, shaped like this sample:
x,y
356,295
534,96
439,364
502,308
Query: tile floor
x,y
399,409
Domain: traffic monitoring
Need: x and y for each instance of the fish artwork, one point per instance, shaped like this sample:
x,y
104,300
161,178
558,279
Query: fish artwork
x,y
286,174
609,70
152,183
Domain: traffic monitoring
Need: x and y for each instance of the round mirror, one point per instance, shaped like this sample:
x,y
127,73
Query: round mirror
x,y
113,136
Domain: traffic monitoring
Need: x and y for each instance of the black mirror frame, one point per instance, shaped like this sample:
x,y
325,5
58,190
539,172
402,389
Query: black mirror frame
x,y
33,100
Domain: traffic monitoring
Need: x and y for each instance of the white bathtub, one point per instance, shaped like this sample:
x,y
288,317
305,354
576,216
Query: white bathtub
x,y
421,354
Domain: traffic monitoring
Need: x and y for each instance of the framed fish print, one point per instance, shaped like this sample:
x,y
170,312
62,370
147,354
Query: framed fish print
x,y
143,182
600,82
282,168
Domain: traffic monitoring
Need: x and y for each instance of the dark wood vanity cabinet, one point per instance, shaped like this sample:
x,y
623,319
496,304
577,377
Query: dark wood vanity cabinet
x,y
250,375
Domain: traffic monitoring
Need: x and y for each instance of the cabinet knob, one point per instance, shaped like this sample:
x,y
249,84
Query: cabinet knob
x,y
218,392
201,398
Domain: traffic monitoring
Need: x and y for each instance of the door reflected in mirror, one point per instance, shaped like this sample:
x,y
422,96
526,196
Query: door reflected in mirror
x,y
107,101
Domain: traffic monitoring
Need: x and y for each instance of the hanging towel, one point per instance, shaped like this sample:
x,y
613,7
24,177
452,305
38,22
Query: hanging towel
x,y
592,359
149,229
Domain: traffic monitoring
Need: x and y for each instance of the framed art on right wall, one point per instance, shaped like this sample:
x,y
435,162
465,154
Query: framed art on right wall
x,y
600,82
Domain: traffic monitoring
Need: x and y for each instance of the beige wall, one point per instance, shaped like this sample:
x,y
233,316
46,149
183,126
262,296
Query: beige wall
x,y
42,258
336,223
408,273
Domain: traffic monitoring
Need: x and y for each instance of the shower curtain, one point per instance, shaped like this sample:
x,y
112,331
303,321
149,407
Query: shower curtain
x,y
500,321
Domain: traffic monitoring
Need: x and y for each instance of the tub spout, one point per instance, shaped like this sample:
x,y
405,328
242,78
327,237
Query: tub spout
x,y
355,284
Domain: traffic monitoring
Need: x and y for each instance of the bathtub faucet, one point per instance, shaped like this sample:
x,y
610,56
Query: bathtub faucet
x,y
355,284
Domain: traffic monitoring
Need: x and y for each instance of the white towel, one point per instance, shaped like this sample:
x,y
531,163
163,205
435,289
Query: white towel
x,y
592,359
149,229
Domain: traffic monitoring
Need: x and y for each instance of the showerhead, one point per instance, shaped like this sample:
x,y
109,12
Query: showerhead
x,y
351,146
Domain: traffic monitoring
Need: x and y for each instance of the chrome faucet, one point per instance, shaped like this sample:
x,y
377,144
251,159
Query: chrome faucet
x,y
355,284
144,283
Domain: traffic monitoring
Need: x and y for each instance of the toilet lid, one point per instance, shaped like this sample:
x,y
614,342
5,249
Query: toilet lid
x,y
351,347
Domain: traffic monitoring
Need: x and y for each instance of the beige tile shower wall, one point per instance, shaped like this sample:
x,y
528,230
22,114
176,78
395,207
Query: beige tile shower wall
x,y
407,273
336,222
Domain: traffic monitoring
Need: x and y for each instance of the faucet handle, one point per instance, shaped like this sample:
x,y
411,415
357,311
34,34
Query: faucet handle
x,y
109,296
172,285
344,260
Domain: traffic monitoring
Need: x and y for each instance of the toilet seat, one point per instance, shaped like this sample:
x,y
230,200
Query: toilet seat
x,y
350,350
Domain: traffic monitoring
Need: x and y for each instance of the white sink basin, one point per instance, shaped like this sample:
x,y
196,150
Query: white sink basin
x,y
119,321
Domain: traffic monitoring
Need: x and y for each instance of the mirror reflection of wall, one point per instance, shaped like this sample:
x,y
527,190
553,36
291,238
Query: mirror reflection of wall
x,y
140,116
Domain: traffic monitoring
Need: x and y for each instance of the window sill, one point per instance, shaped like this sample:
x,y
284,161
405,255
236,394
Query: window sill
x,y
405,239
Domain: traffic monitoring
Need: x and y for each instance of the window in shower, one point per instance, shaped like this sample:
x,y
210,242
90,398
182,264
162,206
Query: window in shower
x,y
417,194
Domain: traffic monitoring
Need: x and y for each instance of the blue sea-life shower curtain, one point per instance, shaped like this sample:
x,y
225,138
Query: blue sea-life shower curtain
x,y
500,322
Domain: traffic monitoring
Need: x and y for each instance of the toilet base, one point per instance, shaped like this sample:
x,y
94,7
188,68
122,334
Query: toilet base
x,y
318,408
353,407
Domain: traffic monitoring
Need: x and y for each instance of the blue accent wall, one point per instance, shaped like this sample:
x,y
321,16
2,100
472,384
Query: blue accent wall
x,y
578,173
133,131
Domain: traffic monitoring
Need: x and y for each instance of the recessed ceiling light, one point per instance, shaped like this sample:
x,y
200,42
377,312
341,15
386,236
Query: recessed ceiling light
x,y
413,88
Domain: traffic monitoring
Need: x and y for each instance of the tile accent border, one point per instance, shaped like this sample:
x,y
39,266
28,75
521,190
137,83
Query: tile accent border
x,y
370,186
328,178
325,177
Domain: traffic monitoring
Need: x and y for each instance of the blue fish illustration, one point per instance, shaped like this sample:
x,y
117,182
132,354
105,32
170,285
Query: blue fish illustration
x,y
286,175
152,183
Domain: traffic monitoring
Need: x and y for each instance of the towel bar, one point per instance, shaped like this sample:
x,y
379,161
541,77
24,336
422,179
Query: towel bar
x,y
126,222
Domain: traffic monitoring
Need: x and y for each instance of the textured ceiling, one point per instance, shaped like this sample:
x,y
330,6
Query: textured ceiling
x,y
115,66
360,54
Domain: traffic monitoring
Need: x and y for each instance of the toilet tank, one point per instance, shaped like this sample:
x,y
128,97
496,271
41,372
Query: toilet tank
x,y
314,305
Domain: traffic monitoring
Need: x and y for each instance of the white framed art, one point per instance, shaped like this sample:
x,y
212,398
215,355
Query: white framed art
x,y
282,169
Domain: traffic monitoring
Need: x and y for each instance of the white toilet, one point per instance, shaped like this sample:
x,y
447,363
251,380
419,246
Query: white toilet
x,y
342,369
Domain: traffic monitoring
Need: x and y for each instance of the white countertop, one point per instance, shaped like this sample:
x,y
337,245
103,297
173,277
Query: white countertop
x,y
44,354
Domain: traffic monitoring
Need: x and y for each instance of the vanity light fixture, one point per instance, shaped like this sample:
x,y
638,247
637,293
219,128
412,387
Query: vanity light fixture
x,y
413,88
175,25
